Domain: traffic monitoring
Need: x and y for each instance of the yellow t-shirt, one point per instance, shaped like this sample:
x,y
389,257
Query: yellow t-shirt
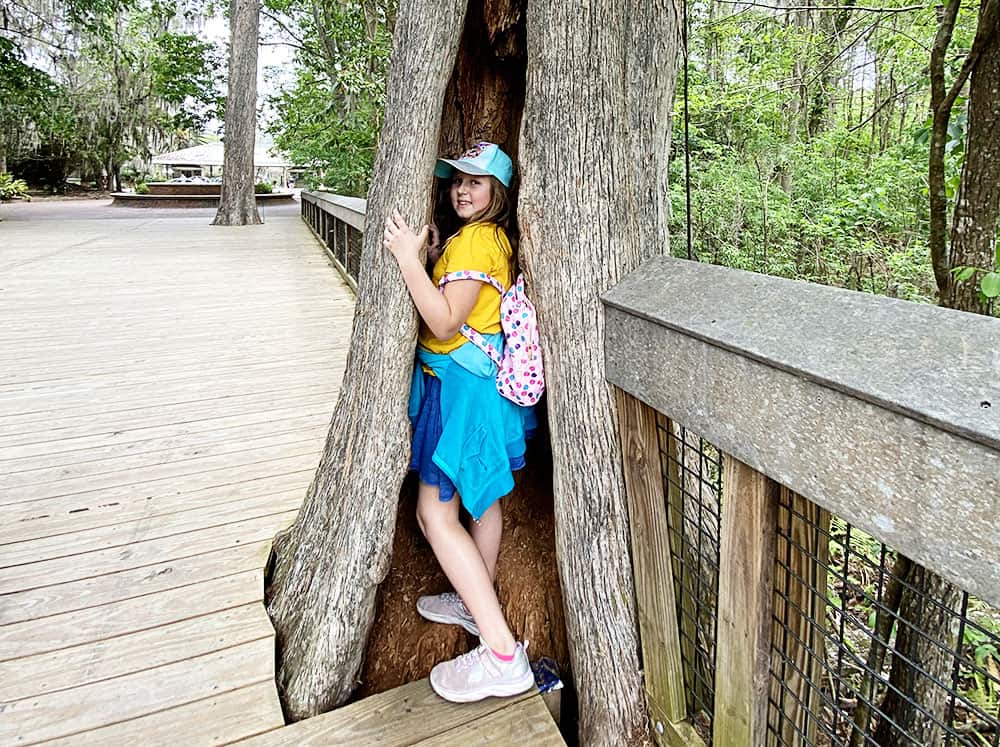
x,y
479,247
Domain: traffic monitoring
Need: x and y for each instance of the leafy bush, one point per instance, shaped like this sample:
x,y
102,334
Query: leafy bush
x,y
12,189
263,188
141,188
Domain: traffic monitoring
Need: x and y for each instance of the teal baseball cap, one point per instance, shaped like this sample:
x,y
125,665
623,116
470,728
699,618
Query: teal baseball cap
x,y
482,159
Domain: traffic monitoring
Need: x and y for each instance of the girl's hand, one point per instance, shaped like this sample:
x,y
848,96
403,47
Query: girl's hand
x,y
434,248
400,239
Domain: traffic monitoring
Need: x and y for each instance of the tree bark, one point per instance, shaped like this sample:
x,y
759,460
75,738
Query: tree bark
x,y
593,204
914,702
237,203
327,566
974,222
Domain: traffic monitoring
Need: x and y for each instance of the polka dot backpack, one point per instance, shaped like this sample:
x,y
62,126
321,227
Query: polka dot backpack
x,y
519,366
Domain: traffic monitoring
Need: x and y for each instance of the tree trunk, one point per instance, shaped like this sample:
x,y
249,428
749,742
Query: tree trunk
x,y
593,204
974,223
914,703
237,204
327,566
914,699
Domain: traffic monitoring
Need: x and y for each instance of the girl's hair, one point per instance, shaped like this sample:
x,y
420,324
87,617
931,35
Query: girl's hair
x,y
498,211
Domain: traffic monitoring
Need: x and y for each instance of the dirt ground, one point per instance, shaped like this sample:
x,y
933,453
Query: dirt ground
x,y
403,646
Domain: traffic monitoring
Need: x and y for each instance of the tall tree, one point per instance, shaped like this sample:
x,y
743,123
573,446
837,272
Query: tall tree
x,y
596,83
914,704
237,204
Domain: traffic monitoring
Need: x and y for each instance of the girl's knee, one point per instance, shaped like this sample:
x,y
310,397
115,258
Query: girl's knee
x,y
432,516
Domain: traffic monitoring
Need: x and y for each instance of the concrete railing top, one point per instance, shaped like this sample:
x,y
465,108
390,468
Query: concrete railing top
x,y
884,412
935,365
351,210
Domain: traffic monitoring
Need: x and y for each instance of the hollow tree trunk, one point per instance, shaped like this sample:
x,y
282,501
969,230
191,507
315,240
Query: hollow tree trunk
x,y
328,565
593,204
237,204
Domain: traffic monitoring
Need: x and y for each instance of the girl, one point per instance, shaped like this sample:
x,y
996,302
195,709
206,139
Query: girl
x,y
467,438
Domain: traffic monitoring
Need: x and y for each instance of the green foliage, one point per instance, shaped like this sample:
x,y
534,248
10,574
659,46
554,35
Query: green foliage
x,y
809,144
12,189
328,119
141,188
263,188
121,83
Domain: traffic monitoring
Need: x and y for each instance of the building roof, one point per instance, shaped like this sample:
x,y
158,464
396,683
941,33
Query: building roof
x,y
210,154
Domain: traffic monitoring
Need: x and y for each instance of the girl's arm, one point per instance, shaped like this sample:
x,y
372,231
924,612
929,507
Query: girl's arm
x,y
444,313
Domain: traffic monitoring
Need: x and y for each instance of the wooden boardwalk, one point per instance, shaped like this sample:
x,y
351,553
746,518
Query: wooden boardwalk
x,y
165,387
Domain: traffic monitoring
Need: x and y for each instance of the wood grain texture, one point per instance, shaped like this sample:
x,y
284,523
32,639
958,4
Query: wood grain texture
x,y
746,578
593,162
651,562
404,716
327,567
161,413
800,578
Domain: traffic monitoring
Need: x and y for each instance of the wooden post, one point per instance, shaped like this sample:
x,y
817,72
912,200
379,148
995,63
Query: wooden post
x,y
746,583
803,547
651,566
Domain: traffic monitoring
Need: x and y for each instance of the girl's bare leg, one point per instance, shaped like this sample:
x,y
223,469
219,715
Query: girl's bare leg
x,y
463,564
486,534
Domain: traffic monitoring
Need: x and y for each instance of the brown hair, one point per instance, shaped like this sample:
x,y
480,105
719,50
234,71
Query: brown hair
x,y
498,210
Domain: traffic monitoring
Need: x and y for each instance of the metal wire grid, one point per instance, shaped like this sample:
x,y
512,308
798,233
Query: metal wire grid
x,y
835,681
692,473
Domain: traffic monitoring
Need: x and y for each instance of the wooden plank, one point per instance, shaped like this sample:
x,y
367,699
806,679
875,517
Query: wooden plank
x,y
129,615
525,722
651,559
133,652
678,735
36,719
63,450
28,521
97,470
186,475
803,548
86,423
220,719
148,528
138,582
746,582
191,547
77,435
402,716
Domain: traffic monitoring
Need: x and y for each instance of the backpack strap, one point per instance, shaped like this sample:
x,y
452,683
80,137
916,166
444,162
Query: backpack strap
x,y
482,277
470,334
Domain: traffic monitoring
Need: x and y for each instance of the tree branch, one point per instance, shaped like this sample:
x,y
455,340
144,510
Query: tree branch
x,y
988,11
880,107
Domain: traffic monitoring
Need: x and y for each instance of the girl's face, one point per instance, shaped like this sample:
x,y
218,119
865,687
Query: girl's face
x,y
470,194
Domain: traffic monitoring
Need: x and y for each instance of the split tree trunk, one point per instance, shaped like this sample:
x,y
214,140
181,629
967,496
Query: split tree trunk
x,y
593,204
237,204
328,565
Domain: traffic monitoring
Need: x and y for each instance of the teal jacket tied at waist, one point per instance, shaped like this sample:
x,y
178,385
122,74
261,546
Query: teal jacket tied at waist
x,y
481,431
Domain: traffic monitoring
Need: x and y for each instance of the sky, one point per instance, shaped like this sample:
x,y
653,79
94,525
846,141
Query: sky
x,y
275,66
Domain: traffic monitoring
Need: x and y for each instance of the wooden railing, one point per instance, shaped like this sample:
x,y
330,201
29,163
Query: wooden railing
x,y
834,428
338,223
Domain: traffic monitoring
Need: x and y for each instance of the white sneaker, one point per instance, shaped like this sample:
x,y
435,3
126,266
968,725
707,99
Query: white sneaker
x,y
479,674
447,608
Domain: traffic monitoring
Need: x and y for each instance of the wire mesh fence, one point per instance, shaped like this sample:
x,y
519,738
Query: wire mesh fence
x,y
692,472
869,649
